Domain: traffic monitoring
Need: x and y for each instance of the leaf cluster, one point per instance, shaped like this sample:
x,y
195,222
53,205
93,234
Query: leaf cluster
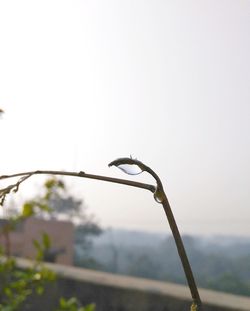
x,y
73,304
16,284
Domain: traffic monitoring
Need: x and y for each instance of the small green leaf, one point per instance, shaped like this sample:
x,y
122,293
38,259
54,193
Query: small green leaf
x,y
37,276
8,292
37,245
27,210
50,183
90,307
72,301
63,303
40,290
46,241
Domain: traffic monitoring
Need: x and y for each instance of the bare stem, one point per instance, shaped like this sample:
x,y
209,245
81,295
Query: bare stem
x,y
25,175
182,253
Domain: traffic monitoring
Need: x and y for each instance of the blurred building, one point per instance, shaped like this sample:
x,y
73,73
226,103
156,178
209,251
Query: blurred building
x,y
20,241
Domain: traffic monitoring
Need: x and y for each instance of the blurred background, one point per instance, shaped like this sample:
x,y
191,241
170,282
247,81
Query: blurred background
x,y
85,82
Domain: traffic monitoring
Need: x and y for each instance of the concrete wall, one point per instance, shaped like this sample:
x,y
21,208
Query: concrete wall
x,y
120,293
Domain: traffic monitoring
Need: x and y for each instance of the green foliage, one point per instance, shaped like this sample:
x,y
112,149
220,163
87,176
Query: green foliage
x,y
16,284
42,247
72,304
46,241
28,209
54,183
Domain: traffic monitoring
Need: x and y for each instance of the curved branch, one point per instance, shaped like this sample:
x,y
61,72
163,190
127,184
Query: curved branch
x,y
25,175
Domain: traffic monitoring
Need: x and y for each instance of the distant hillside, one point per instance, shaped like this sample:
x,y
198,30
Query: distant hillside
x,y
128,237
220,262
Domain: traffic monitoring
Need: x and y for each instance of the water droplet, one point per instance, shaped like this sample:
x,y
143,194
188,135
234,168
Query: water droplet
x,y
158,196
131,169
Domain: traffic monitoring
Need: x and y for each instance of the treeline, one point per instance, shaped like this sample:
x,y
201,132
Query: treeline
x,y
220,263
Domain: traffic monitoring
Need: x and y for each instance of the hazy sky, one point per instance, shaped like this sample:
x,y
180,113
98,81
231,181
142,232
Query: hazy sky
x,y
85,82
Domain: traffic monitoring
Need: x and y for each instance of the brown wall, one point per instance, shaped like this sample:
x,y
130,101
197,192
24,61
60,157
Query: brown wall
x,y
61,235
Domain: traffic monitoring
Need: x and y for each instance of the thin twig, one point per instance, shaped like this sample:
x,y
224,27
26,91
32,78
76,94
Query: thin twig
x,y
25,175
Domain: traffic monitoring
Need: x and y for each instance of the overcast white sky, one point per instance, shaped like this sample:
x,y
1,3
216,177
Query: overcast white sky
x,y
85,82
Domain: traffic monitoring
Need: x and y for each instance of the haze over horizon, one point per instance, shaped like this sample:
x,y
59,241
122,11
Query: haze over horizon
x,y
85,82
